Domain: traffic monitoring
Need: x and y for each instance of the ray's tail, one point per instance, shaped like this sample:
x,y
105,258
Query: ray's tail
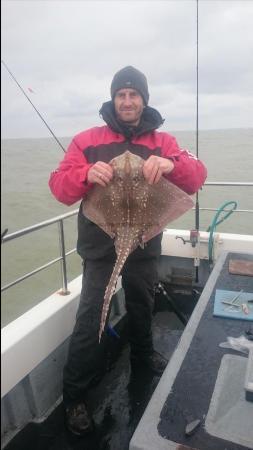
x,y
121,258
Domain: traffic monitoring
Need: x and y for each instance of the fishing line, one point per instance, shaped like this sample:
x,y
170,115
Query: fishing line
x,y
197,134
20,87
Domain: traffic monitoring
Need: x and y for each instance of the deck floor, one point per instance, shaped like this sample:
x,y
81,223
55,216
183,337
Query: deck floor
x,y
195,381
185,393
117,402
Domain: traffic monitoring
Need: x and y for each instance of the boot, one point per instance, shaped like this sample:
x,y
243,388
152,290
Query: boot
x,y
78,420
154,362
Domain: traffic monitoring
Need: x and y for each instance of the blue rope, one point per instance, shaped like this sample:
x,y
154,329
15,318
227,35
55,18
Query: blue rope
x,y
216,222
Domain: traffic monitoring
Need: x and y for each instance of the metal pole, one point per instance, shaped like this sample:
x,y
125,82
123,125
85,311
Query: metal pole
x,y
197,260
64,290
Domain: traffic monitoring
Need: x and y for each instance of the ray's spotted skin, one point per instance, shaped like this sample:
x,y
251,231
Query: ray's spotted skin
x,y
132,212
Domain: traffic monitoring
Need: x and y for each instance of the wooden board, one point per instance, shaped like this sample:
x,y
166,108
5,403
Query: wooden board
x,y
240,267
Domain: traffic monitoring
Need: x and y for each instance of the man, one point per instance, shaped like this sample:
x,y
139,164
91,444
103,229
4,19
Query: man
x,y
131,125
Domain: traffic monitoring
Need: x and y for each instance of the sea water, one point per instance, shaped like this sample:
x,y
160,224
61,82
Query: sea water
x,y
27,200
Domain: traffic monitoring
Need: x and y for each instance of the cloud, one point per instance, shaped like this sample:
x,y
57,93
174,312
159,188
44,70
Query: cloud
x,y
68,51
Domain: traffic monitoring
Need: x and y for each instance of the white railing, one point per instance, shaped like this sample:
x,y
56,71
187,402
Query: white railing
x,y
64,254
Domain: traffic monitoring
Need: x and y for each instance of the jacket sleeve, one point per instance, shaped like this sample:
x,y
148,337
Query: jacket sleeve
x,y
68,183
189,173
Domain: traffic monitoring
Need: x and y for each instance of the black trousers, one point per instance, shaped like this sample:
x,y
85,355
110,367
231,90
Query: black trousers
x,y
85,356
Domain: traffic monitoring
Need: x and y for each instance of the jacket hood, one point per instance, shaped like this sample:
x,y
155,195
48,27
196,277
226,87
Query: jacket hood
x,y
151,119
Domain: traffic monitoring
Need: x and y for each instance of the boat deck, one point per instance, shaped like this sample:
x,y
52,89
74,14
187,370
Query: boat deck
x,y
118,402
204,382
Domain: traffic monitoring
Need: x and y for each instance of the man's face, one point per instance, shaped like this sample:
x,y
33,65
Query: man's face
x,y
129,106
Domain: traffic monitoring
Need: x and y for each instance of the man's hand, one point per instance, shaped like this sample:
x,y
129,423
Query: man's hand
x,y
155,166
100,173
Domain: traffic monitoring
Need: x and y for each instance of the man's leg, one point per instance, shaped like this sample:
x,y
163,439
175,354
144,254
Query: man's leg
x,y
139,278
86,355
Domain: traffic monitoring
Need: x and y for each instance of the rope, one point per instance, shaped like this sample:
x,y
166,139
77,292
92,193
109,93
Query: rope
x,y
215,223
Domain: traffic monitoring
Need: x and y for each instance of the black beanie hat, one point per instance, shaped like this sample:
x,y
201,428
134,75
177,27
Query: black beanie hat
x,y
129,77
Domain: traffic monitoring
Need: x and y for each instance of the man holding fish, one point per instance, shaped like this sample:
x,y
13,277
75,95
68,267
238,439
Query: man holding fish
x,y
130,126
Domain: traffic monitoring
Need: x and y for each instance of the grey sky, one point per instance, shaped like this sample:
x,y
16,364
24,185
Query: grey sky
x,y
68,51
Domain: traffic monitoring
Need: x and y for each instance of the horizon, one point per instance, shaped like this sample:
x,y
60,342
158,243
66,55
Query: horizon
x,y
170,132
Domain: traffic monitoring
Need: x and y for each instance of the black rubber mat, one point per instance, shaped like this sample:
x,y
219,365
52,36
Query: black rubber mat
x,y
192,390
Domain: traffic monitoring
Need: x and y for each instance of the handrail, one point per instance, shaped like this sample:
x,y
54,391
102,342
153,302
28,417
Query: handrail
x,y
40,225
228,183
62,258
62,217
225,210
37,226
39,269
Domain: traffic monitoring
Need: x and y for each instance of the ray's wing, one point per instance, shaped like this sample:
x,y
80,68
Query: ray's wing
x,y
102,206
165,203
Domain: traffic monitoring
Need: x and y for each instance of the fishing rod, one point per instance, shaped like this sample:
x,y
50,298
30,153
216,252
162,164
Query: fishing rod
x,y
20,87
197,146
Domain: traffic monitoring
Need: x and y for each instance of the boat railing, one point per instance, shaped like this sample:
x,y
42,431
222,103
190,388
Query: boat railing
x,y
63,254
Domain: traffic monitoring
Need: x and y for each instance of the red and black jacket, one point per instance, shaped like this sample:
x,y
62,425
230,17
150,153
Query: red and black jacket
x,y
69,183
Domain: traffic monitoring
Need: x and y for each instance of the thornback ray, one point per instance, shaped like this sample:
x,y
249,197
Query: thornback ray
x,y
131,212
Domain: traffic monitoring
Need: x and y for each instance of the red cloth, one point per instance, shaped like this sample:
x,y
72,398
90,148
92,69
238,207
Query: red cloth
x,y
69,184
